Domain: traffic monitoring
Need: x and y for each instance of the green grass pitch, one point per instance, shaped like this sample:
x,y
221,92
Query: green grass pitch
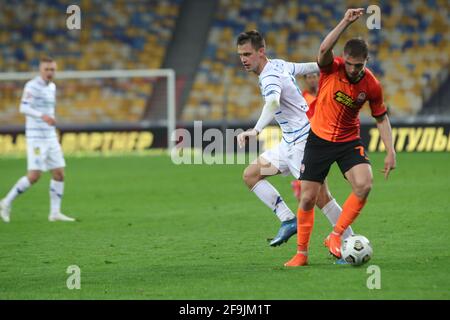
x,y
149,229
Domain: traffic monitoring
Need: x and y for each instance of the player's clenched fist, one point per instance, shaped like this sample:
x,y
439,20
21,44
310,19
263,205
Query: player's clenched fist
x,y
242,136
353,14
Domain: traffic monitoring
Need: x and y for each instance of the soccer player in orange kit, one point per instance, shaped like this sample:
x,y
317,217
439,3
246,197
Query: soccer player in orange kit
x,y
345,85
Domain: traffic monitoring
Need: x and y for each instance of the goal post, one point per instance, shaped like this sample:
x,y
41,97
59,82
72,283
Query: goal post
x,y
168,74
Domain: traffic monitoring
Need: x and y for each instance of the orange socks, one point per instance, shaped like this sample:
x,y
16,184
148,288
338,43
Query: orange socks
x,y
305,223
350,210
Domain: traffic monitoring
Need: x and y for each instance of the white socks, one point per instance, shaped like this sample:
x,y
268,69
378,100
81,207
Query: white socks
x,y
56,194
20,187
332,211
270,196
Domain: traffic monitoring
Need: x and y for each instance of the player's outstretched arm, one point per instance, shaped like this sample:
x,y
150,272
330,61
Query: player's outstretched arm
x,y
326,48
384,126
304,68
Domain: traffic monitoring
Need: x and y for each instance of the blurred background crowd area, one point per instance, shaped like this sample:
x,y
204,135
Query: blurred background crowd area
x,y
409,54
114,35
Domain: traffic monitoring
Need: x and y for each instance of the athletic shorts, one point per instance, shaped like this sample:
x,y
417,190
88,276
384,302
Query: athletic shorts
x,y
320,154
44,155
286,157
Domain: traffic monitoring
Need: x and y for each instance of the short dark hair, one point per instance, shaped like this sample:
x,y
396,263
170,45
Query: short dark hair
x,y
254,37
356,48
46,59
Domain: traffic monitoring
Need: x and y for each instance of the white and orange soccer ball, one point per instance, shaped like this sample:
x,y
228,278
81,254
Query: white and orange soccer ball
x,y
356,250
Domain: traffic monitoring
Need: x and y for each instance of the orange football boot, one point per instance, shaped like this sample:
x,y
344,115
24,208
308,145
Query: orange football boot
x,y
333,242
300,259
326,241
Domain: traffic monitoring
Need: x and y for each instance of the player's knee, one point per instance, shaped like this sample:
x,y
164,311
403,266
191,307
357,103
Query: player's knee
x,y
323,199
58,175
362,188
33,177
307,203
324,196
308,200
250,177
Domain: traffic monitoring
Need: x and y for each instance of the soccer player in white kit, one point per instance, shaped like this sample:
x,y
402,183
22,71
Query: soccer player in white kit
x,y
284,102
43,149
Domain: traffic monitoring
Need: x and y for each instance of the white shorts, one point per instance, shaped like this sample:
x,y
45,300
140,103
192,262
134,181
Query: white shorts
x,y
44,155
287,158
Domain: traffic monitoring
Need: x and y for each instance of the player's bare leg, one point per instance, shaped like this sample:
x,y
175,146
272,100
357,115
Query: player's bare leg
x,y
331,209
327,204
258,170
20,187
56,194
254,177
360,178
34,176
305,222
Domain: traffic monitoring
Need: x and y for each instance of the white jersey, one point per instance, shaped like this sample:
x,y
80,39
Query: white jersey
x,y
39,98
278,76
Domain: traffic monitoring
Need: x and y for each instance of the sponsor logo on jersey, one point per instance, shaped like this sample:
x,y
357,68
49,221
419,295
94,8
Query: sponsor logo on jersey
x,y
344,99
347,101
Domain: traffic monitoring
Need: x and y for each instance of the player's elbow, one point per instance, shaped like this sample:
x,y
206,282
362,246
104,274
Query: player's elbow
x,y
273,103
325,56
381,119
324,49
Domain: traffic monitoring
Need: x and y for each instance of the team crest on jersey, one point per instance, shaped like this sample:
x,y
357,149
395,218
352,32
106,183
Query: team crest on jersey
x,y
344,99
37,151
361,97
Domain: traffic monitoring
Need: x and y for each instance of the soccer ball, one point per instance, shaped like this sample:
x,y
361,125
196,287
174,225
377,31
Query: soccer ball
x,y
356,250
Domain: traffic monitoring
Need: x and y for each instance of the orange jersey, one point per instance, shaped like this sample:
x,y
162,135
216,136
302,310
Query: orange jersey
x,y
309,97
338,102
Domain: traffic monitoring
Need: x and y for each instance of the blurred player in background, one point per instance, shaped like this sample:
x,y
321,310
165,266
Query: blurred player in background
x,y
309,93
345,85
285,103
43,149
